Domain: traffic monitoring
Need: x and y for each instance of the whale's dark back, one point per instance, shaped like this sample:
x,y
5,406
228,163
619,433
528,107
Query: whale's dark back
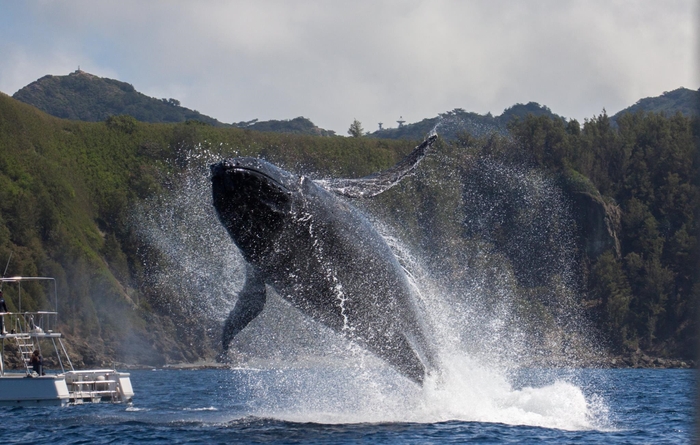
x,y
339,269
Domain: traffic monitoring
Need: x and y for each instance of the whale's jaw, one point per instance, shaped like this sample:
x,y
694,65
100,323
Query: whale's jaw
x,y
251,205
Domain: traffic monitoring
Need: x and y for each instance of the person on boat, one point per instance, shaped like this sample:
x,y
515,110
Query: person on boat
x,y
37,362
3,308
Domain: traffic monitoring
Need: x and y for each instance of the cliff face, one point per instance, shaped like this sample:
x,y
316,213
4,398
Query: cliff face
x,y
598,223
541,225
597,220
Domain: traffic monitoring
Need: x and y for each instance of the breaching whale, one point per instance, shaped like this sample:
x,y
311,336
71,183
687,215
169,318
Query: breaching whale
x,y
321,254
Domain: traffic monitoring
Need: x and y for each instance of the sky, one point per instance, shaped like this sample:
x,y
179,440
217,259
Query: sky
x,y
374,61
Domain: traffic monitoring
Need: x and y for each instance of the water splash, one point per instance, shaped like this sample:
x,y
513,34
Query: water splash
x,y
183,229
299,370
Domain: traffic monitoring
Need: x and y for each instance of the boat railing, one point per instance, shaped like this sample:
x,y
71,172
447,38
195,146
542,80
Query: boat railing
x,y
27,329
35,324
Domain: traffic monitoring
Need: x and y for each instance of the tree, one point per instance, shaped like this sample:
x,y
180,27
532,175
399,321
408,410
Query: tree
x,y
610,284
355,129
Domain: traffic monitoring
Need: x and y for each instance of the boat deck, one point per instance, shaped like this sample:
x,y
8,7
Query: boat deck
x,y
27,332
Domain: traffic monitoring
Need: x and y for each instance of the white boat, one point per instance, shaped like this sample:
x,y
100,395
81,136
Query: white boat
x,y
27,332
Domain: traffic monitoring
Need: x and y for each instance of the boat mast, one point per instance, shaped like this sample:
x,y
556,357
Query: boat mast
x,y
6,266
2,351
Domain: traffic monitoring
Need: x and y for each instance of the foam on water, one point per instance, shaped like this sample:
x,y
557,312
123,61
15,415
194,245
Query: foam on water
x,y
294,369
465,391
473,392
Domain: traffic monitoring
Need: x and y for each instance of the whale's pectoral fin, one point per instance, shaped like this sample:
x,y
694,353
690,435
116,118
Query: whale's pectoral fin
x,y
251,301
377,183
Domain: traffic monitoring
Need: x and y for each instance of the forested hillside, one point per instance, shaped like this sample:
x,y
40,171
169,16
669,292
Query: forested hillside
x,y
86,97
681,100
458,121
298,125
67,194
68,191
645,294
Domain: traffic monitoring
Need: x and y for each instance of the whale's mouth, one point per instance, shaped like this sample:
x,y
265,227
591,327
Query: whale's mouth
x,y
246,174
236,167
249,186
251,204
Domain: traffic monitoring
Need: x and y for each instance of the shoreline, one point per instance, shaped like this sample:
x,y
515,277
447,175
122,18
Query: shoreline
x,y
643,361
633,361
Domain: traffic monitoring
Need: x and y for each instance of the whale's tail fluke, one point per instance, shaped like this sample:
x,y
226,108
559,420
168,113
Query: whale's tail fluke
x,y
372,185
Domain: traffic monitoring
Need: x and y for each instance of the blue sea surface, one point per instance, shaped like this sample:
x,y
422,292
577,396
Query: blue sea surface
x,y
280,406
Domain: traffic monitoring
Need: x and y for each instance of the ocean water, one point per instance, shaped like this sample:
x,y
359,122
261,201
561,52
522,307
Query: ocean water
x,y
324,405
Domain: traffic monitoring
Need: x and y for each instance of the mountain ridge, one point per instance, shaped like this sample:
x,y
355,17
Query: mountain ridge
x,y
683,100
87,97
453,124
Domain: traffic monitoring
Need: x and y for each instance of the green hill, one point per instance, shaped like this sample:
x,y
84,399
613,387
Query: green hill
x,y
681,100
68,190
83,96
299,125
86,97
453,124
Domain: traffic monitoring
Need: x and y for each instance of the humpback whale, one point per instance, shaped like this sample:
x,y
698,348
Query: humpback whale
x,y
322,255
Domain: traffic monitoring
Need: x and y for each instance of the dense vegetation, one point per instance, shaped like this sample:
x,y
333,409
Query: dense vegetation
x,y
298,125
458,121
682,100
67,189
83,96
645,294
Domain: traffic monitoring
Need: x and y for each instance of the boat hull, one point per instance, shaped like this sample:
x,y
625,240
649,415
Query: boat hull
x,y
20,390
73,387
95,385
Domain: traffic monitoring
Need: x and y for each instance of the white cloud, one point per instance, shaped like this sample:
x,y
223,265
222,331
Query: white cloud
x,y
370,60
